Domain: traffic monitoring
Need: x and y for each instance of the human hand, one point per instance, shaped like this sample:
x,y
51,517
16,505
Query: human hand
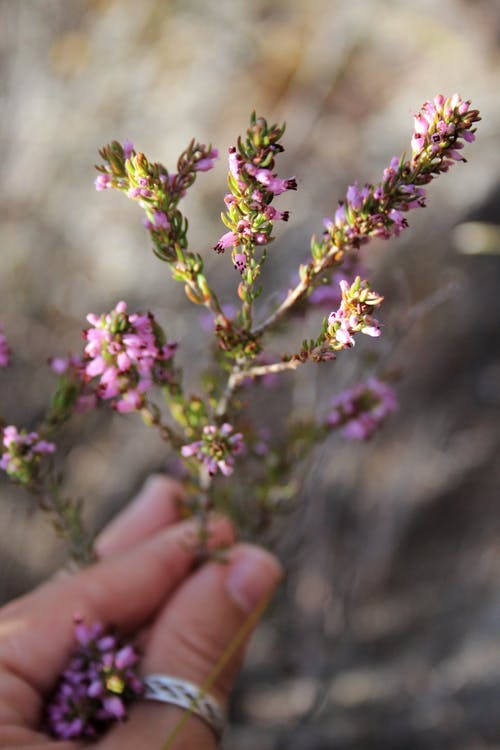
x,y
145,583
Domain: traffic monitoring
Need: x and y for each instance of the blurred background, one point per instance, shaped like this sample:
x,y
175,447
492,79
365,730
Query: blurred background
x,y
386,632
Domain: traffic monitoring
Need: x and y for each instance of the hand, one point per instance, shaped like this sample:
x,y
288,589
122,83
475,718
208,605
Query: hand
x,y
144,583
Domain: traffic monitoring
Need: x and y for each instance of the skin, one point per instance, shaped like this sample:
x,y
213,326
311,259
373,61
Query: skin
x,y
145,583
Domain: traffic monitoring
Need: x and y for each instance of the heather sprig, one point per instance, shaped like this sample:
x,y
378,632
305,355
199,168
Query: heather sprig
x,y
158,192
127,355
96,686
26,460
249,215
379,210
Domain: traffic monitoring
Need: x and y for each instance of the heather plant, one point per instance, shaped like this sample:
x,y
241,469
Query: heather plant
x,y
128,362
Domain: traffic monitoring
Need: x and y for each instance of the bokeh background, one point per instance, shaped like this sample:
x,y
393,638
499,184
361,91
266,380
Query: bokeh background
x,y
386,632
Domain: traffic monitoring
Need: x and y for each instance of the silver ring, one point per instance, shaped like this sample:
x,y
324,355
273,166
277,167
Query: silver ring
x,y
187,695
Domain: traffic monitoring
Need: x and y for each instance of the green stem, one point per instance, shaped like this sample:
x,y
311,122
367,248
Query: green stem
x,y
66,517
234,645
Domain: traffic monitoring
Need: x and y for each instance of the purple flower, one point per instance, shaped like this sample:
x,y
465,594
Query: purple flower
x,y
354,314
439,126
216,449
361,410
207,162
128,355
227,240
270,181
161,220
236,164
253,185
95,688
23,452
128,149
240,261
103,182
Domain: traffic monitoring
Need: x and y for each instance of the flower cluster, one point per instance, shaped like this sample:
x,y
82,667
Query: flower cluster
x,y
253,184
362,410
439,128
354,314
374,210
380,210
96,686
155,189
4,350
150,183
216,449
23,452
128,354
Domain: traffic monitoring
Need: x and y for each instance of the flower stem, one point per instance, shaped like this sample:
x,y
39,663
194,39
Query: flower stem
x,y
66,518
236,643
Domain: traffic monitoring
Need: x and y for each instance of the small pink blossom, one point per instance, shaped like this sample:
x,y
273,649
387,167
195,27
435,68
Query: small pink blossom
x,y
270,181
240,261
236,164
160,219
216,448
354,315
23,453
103,182
128,149
227,240
206,163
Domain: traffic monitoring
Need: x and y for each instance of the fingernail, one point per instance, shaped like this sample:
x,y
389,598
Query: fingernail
x,y
253,576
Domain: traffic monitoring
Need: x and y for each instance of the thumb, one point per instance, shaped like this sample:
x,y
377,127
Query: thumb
x,y
190,638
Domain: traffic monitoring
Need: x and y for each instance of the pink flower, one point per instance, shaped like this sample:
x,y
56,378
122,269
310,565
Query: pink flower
x,y
128,355
128,149
216,449
206,163
240,261
236,163
227,240
103,182
438,128
253,185
361,410
270,181
23,453
161,220
354,314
